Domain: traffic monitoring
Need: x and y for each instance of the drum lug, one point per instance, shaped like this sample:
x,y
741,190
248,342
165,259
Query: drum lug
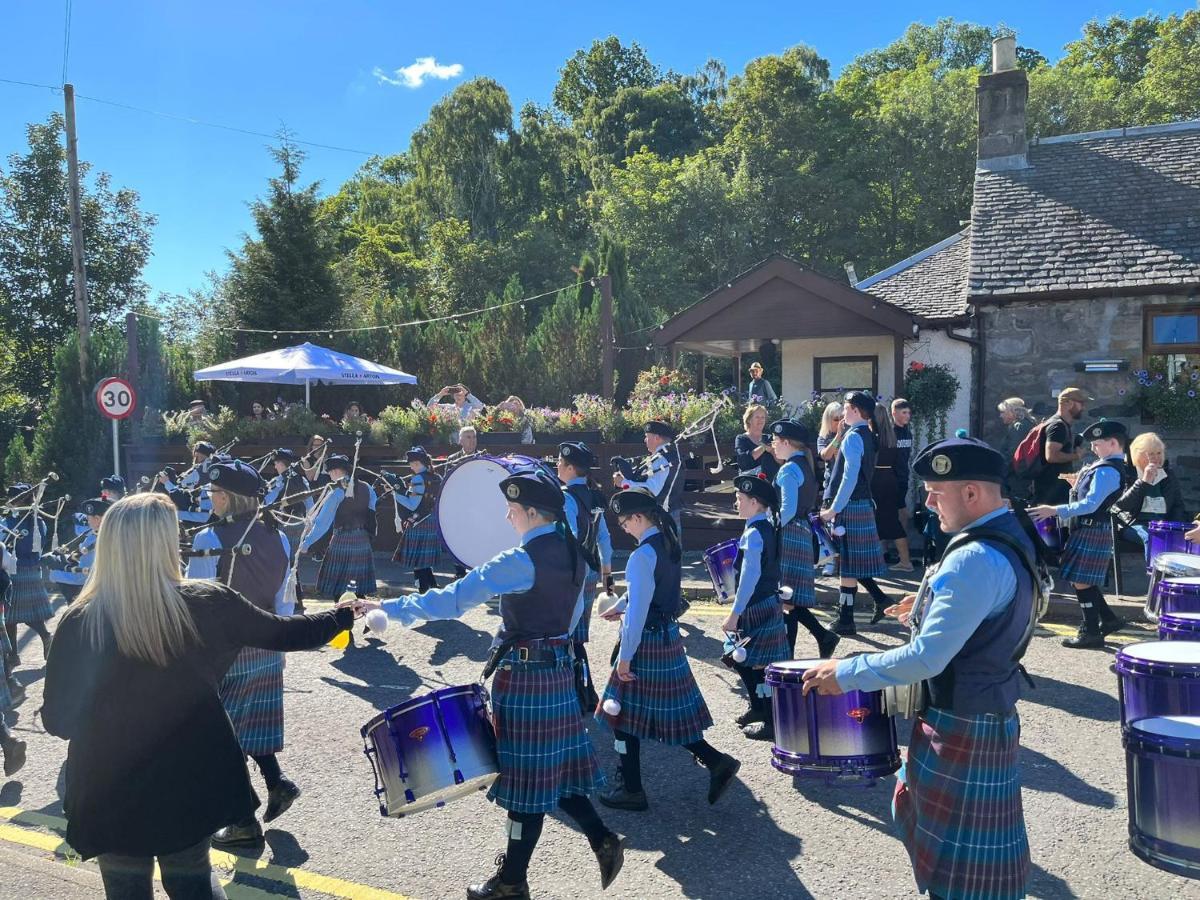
x,y
409,796
458,777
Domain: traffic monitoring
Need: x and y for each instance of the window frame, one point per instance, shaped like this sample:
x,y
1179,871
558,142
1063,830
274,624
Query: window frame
x,y
1150,313
819,360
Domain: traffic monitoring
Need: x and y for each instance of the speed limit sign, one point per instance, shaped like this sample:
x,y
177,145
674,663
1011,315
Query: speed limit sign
x,y
116,398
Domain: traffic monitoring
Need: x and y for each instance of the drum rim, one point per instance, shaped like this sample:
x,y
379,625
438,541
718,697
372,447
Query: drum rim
x,y
1166,525
1136,737
417,702
787,666
732,542
456,792
1125,654
868,758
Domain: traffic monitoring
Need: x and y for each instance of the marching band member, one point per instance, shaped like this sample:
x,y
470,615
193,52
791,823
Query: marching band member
x,y
661,473
112,488
353,522
29,603
66,571
546,757
584,511
756,614
11,691
848,502
1088,552
652,681
291,490
957,804
193,482
797,486
252,689
420,542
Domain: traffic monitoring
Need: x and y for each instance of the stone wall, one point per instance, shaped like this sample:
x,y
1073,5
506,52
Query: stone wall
x,y
1031,350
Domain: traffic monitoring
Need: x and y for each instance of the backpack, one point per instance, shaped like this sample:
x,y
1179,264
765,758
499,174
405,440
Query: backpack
x,y
1029,458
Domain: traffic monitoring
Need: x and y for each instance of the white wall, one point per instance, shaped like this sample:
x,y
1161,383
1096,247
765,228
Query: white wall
x,y
797,362
934,347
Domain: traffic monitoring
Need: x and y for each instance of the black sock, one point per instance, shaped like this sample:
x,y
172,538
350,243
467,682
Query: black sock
x,y
805,617
1087,605
581,810
10,628
875,591
792,623
747,675
846,597
524,829
1101,604
705,752
630,760
6,736
269,766
425,579
757,701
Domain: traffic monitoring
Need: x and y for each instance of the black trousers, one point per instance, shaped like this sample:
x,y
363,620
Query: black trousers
x,y
186,875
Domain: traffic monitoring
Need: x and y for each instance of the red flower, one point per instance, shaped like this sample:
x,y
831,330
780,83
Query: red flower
x,y
916,367
664,381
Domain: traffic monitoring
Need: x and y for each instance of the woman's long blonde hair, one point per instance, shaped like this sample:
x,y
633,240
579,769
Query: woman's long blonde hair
x,y
832,410
133,587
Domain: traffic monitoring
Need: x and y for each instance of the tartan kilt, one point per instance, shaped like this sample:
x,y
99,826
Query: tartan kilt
x,y
958,808
762,622
252,692
421,546
859,548
29,600
796,561
1088,552
664,704
348,558
541,742
591,587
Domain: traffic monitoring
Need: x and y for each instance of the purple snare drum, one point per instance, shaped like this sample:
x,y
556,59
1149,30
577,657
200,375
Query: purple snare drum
x,y
472,511
1158,678
1051,533
1179,595
1179,626
1168,565
1166,537
1162,773
430,750
719,562
847,739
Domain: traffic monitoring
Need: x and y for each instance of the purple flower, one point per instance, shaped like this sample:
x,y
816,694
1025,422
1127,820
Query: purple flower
x,y
1195,376
1191,393
1158,377
1121,392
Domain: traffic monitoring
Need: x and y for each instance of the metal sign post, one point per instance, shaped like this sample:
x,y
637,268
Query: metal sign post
x,y
116,399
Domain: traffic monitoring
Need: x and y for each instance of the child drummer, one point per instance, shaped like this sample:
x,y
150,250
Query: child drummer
x,y
546,758
757,616
652,682
421,542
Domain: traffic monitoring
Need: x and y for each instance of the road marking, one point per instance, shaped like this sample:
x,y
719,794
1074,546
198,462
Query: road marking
x,y
20,833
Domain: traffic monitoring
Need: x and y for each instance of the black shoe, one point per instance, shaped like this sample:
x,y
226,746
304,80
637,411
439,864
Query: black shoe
x,y
619,797
826,644
611,856
280,799
1113,625
14,757
239,835
720,777
760,731
495,888
879,614
845,622
749,717
1084,640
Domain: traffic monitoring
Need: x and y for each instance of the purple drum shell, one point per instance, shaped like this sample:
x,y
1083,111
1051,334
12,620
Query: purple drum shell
x,y
1162,775
845,739
1050,532
1166,537
409,746
1158,678
1179,626
1178,595
719,560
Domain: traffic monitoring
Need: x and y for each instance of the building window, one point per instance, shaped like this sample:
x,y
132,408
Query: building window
x,y
834,374
1171,342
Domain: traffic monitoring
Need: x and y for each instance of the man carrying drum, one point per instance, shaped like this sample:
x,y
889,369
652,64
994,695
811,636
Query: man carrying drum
x,y
958,797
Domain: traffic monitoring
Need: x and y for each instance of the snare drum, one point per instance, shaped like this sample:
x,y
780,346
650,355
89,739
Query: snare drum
x,y
719,561
847,739
471,510
1168,565
430,750
1162,772
1179,595
1179,626
1166,537
1051,532
1158,678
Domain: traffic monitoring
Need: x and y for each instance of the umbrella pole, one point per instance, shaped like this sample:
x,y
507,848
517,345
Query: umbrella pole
x,y
307,404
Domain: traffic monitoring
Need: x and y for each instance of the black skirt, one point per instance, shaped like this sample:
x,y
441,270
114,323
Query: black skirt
x,y
885,489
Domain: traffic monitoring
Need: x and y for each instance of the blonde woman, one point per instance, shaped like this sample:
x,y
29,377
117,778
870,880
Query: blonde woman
x,y
153,765
1155,495
752,451
516,406
829,438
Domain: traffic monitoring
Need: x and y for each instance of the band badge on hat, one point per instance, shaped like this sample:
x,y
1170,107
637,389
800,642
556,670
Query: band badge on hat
x,y
214,474
940,464
566,450
513,492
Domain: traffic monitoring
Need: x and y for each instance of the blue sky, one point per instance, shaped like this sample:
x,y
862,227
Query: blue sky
x,y
257,64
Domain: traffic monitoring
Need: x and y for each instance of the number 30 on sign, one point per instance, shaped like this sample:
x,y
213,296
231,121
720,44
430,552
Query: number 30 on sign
x,y
116,398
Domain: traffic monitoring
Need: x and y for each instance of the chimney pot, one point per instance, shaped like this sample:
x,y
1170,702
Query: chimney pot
x,y
1000,106
1004,54
850,273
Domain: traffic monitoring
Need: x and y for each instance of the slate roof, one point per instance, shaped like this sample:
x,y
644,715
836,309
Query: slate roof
x,y
931,284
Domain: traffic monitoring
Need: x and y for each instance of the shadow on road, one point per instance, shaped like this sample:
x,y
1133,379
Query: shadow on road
x,y
1041,773
285,849
456,639
1044,884
1072,698
869,806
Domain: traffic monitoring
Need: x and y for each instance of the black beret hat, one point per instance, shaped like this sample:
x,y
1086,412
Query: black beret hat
x,y
285,455
18,487
577,454
533,487
624,503
418,454
113,483
758,488
662,429
862,401
338,461
961,459
236,477
204,447
94,507
789,429
1104,428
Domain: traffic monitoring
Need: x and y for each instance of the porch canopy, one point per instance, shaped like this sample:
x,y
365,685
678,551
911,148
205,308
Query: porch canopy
x,y
811,316
304,364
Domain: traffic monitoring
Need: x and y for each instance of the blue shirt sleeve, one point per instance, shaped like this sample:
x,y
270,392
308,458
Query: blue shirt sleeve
x,y
604,543
284,605
510,572
956,608
571,513
324,518
660,468
639,576
750,543
372,498
1105,481
852,452
274,489
416,492
789,479
204,566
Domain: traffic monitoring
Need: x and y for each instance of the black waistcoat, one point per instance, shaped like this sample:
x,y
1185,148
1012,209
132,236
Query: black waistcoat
x,y
259,574
545,610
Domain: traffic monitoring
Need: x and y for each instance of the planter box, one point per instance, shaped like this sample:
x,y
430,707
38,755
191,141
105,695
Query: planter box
x,y
500,439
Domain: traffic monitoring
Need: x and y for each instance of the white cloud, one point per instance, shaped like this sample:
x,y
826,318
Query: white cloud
x,y
414,76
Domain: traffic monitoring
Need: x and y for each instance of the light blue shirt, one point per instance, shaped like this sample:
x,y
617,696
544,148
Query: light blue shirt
x,y
751,545
1105,480
329,510
789,479
852,454
206,566
411,499
658,468
974,583
603,538
639,579
470,405
509,572
275,491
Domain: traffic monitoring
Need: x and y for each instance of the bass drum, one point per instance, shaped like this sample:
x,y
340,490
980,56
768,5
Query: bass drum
x,y
472,513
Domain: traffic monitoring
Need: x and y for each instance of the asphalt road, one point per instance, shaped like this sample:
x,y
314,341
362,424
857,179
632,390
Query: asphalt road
x,y
770,836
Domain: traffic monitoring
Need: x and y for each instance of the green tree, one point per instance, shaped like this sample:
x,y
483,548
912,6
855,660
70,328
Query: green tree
x,y
595,75
37,306
563,351
495,345
1171,82
661,118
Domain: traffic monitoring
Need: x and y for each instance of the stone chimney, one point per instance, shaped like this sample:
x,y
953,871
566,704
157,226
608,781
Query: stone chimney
x,y
1000,107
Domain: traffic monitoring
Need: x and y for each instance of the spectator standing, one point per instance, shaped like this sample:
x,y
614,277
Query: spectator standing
x,y
829,438
259,413
901,422
466,404
752,452
885,488
760,390
1062,448
1018,422
522,424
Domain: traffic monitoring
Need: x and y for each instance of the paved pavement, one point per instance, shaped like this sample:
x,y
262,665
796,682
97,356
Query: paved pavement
x,y
771,835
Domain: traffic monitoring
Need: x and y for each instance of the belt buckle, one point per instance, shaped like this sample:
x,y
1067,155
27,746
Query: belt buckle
x,y
523,654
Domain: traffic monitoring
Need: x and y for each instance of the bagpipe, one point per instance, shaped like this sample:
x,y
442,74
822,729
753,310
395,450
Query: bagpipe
x,y
631,467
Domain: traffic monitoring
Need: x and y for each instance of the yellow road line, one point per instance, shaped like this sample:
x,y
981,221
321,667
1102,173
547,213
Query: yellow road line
x,y
283,875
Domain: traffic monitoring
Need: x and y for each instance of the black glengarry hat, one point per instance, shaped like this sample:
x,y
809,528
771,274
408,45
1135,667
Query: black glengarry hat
x,y
862,401
533,487
94,507
961,459
1104,428
113,483
283,454
204,447
662,429
577,454
789,429
338,461
418,454
236,477
630,501
758,488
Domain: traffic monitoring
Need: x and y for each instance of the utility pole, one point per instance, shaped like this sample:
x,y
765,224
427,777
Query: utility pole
x,y
606,337
81,300
133,366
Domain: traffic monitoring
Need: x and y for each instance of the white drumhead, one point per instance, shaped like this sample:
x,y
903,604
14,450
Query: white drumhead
x,y
1193,581
1181,564
1170,726
796,665
472,512
1164,651
1186,616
